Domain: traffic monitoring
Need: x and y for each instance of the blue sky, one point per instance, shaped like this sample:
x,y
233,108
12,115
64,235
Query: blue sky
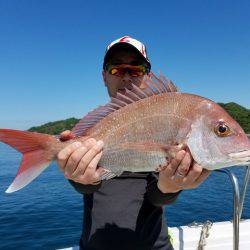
x,y
51,52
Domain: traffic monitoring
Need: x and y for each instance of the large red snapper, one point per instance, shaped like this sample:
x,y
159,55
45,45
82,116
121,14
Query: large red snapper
x,y
140,129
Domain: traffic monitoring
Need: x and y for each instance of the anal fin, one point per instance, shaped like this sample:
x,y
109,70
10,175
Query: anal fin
x,y
109,175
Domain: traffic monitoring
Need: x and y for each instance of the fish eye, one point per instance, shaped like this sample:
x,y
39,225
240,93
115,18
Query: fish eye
x,y
222,130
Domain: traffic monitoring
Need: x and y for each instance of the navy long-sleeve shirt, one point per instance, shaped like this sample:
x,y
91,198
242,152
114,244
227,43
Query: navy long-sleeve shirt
x,y
125,213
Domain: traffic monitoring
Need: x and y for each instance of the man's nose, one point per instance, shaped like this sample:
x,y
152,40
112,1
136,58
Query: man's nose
x,y
126,78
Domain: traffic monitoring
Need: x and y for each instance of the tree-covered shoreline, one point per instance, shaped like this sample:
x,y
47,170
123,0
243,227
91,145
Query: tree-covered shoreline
x,y
239,113
56,127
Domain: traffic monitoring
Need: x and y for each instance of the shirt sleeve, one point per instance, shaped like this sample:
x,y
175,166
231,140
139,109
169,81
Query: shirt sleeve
x,y
85,189
155,196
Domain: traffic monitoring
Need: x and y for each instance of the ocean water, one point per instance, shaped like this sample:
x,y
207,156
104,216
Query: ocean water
x,y
47,214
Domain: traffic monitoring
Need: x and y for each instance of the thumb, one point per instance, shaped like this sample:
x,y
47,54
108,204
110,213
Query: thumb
x,y
66,135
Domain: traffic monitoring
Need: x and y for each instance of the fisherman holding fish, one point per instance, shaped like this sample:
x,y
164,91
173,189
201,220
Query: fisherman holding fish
x,y
125,212
113,153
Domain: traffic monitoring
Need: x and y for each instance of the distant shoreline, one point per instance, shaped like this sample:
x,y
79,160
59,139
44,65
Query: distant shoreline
x,y
239,113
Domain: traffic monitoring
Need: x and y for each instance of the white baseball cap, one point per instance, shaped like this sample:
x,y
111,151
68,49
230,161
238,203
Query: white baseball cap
x,y
140,47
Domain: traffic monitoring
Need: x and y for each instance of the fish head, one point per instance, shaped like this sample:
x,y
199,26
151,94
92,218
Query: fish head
x,y
216,140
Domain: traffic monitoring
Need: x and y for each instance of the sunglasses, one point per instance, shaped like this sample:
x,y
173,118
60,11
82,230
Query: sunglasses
x,y
121,69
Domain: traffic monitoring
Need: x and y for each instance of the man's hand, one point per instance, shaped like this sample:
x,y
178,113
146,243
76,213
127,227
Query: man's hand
x,y
78,161
181,173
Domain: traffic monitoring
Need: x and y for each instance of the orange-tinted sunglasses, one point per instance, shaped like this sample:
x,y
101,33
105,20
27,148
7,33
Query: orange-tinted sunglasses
x,y
121,69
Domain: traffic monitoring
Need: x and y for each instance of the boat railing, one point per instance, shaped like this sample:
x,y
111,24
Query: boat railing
x,y
238,201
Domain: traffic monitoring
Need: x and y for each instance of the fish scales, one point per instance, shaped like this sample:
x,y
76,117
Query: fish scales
x,y
159,119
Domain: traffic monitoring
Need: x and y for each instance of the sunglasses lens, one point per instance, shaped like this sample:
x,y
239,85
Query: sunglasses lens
x,y
116,71
120,70
113,71
136,73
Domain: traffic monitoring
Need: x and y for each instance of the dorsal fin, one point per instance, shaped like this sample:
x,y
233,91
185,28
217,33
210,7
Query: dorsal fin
x,y
151,86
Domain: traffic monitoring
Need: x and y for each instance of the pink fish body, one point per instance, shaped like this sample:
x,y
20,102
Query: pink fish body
x,y
140,129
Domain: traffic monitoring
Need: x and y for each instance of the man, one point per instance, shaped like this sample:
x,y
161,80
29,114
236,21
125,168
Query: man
x,y
125,212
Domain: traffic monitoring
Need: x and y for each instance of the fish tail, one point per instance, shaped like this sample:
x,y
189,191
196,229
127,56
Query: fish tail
x,y
36,154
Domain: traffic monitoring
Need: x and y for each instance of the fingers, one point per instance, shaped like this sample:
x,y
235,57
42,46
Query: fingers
x,y
66,135
184,166
203,176
76,156
173,165
79,161
91,175
65,153
181,173
193,174
88,164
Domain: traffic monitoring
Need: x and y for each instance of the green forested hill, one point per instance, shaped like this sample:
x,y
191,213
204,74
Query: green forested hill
x,y
239,113
54,128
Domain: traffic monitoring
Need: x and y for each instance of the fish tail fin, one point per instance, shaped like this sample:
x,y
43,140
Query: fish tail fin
x,y
36,156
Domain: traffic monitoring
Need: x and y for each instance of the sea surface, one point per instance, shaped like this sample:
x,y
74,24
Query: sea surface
x,y
47,214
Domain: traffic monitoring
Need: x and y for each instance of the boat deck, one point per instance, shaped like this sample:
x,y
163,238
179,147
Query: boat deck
x,y
220,236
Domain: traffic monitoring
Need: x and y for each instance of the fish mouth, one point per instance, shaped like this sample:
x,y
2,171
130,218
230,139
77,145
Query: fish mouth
x,y
243,157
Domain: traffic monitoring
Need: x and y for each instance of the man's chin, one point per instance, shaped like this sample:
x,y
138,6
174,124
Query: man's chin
x,y
122,91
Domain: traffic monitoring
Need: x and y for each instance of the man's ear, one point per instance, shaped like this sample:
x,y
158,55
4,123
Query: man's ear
x,y
104,77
